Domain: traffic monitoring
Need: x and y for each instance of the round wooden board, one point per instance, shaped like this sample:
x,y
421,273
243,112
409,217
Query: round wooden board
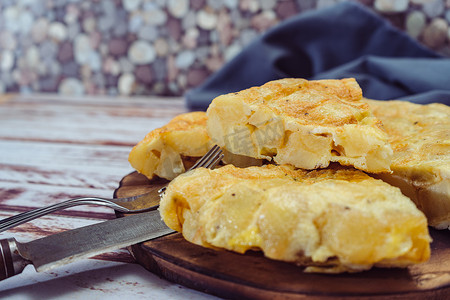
x,y
252,276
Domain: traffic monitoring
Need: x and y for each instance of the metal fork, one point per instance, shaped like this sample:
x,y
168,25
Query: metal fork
x,y
132,204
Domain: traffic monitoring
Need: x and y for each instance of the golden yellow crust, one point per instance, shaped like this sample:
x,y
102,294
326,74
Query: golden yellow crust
x,y
331,220
420,138
304,123
161,152
310,102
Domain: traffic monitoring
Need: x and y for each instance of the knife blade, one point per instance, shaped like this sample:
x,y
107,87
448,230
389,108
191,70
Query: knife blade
x,y
72,245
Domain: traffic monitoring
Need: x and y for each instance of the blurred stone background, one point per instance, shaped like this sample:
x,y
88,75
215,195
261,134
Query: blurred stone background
x,y
159,47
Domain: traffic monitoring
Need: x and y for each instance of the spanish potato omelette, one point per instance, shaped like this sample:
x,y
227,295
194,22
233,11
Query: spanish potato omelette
x,y
420,168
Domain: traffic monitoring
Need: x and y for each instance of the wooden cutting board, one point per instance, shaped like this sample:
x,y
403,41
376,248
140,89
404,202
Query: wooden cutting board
x,y
252,276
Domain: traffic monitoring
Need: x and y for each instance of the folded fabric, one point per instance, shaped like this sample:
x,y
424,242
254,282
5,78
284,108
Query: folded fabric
x,y
345,40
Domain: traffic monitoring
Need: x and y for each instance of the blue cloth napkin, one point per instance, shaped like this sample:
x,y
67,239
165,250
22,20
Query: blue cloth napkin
x,y
345,40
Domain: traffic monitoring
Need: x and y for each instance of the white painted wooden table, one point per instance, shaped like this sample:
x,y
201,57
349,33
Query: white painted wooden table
x,y
54,148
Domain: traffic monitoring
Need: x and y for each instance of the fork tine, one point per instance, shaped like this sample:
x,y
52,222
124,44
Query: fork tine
x,y
211,154
209,160
211,164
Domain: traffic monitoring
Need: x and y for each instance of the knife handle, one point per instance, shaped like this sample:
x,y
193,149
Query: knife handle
x,y
11,263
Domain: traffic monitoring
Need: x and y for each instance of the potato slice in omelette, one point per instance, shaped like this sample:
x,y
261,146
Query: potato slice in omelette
x,y
331,220
162,150
420,137
307,124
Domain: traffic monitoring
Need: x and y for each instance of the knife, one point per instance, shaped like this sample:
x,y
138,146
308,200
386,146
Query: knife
x,y
71,245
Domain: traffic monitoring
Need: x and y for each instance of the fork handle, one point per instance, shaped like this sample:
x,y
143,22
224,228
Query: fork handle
x,y
24,217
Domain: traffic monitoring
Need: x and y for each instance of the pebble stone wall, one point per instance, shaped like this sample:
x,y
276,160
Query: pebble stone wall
x,y
159,47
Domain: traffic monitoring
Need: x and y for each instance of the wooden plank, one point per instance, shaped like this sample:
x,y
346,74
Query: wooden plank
x,y
142,101
94,279
54,157
62,175
75,176
7,97
82,128
93,109
45,225
82,120
18,197
58,172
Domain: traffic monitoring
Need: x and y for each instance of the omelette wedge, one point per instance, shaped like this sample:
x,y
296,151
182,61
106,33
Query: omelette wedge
x,y
307,124
165,151
332,220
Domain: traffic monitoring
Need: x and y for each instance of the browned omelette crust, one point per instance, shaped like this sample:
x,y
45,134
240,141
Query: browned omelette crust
x,y
304,123
331,220
163,150
420,138
182,123
323,102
